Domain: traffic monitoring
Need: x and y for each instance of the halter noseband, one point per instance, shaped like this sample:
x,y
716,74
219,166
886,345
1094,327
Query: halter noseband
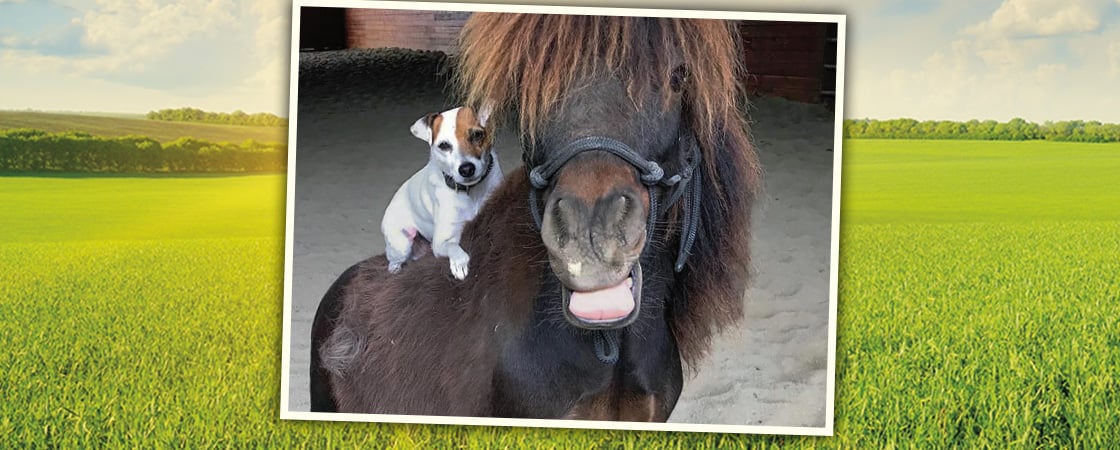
x,y
651,174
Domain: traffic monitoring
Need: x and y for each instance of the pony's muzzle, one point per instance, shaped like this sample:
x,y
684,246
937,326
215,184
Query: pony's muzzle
x,y
594,227
594,222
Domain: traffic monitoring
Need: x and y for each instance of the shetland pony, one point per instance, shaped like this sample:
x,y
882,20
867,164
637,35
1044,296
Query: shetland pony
x,y
600,269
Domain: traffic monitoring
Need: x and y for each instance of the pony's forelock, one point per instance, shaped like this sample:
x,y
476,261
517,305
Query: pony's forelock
x,y
529,61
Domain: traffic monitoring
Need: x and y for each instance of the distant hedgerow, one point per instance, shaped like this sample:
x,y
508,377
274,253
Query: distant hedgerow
x,y
238,117
988,130
26,150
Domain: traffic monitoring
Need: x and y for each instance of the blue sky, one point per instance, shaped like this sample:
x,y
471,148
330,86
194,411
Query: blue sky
x,y
136,56
953,59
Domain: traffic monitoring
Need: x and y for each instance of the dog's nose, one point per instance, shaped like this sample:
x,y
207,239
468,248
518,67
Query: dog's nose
x,y
466,170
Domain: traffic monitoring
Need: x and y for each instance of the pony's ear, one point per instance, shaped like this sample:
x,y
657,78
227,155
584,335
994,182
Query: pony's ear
x,y
422,128
484,112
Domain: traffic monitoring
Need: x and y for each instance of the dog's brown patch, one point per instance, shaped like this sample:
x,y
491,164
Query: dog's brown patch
x,y
467,123
434,121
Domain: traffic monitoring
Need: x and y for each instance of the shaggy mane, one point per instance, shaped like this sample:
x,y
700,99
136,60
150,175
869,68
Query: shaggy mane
x,y
529,62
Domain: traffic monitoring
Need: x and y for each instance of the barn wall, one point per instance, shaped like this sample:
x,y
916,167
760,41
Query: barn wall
x,y
783,59
421,30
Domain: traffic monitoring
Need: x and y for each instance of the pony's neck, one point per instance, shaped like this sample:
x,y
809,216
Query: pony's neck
x,y
506,250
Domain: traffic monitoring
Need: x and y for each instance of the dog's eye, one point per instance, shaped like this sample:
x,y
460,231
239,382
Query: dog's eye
x,y
445,146
476,135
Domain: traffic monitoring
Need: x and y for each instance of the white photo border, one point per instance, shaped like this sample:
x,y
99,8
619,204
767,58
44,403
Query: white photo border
x,y
293,100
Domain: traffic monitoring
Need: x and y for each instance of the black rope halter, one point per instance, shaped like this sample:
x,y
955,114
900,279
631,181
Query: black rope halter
x,y
653,177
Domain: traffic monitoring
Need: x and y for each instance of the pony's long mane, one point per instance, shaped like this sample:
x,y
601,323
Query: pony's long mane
x,y
529,62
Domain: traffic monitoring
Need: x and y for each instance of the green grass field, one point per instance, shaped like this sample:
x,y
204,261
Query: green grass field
x,y
84,207
903,181
115,125
143,311
979,294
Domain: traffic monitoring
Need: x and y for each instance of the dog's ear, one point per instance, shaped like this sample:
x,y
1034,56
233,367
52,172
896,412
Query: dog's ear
x,y
484,112
422,128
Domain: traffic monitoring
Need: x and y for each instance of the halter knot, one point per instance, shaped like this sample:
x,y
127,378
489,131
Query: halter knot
x,y
537,179
653,173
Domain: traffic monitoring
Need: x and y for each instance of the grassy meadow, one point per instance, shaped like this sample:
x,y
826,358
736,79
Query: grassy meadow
x,y
979,294
151,207
946,181
979,305
110,125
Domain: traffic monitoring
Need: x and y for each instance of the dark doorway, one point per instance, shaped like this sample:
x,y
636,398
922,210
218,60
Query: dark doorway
x,y
322,29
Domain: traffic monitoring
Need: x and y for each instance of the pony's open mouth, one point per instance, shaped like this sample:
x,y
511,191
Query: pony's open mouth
x,y
611,307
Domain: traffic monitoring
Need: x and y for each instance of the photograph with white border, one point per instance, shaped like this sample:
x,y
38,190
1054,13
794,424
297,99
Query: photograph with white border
x,y
481,229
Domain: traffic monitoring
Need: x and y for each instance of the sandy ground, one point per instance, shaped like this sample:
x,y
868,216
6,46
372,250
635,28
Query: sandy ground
x,y
354,150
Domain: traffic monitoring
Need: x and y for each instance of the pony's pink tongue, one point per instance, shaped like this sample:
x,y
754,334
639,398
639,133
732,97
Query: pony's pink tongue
x,y
610,303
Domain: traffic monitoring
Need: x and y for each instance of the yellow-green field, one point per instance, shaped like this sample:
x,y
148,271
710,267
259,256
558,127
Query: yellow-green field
x,y
979,306
113,126
979,294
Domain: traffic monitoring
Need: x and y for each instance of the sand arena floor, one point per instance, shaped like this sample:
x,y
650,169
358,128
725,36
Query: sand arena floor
x,y
353,149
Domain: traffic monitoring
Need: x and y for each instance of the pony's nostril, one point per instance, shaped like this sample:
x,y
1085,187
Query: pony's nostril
x,y
560,229
622,207
466,170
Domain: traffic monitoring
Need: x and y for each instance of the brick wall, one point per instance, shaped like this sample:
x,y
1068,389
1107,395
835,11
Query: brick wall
x,y
421,30
784,59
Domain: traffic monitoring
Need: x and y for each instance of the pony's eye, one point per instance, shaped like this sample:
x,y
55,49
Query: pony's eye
x,y
678,78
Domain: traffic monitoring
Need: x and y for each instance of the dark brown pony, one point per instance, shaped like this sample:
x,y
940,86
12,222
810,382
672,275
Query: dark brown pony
x,y
584,302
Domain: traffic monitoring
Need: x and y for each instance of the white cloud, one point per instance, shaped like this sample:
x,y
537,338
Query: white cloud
x,y
1032,59
963,82
132,32
1047,73
1026,18
1114,59
190,49
1041,60
273,43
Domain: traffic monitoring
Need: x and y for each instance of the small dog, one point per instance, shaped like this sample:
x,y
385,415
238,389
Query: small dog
x,y
438,200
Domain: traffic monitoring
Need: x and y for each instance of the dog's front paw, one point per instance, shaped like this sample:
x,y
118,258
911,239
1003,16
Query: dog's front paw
x,y
395,267
460,260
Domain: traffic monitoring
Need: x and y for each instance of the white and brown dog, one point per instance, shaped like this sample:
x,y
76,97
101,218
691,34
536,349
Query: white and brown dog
x,y
438,200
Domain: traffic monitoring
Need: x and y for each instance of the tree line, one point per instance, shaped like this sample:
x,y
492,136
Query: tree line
x,y
26,150
235,118
1014,130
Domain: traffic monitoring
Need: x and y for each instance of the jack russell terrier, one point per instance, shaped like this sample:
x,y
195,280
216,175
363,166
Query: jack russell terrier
x,y
438,200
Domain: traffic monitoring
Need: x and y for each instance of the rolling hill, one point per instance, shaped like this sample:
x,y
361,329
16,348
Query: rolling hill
x,y
115,125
